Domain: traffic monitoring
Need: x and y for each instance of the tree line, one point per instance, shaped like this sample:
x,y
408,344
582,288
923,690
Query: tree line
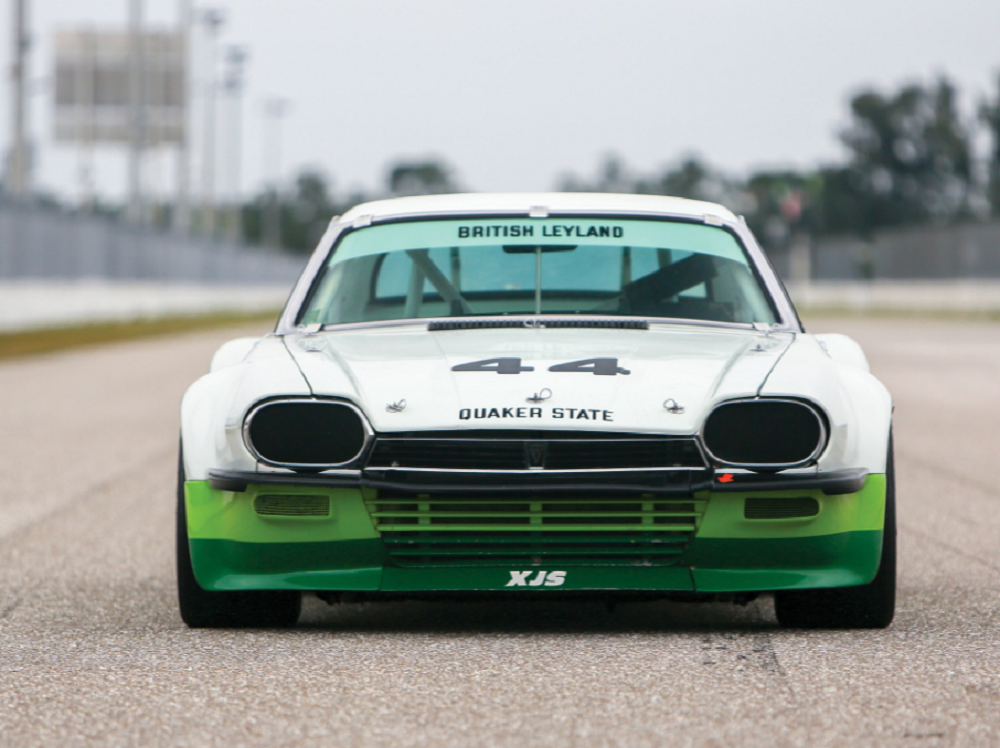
x,y
910,160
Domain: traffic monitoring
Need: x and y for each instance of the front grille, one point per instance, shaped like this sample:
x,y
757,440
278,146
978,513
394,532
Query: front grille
x,y
540,451
287,505
429,531
447,454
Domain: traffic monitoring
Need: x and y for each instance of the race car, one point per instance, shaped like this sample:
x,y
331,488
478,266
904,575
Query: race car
x,y
537,395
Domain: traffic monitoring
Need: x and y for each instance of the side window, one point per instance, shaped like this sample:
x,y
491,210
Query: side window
x,y
647,260
323,301
695,292
392,276
490,269
591,269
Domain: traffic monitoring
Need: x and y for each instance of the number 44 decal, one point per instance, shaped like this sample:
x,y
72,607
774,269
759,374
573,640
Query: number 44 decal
x,y
602,367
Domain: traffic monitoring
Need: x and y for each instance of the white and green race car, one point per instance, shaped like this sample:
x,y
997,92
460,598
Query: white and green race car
x,y
544,395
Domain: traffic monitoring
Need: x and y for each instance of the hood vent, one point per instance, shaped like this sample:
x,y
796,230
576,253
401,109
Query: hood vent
x,y
536,324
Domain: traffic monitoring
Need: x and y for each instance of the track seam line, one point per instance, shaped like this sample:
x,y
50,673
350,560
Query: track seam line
x,y
770,646
10,608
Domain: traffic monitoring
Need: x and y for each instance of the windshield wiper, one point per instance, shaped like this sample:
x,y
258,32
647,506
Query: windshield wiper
x,y
533,323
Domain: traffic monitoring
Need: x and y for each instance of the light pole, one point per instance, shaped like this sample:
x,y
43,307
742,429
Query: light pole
x,y
18,180
236,58
212,19
274,110
83,96
182,214
137,112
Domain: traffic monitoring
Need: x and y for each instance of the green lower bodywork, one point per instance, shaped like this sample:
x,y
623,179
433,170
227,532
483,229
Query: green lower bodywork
x,y
235,548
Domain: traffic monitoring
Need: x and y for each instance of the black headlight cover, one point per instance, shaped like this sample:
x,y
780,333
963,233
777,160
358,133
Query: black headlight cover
x,y
306,433
767,434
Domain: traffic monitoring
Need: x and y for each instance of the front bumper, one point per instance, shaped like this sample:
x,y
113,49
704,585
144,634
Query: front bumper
x,y
662,482
235,547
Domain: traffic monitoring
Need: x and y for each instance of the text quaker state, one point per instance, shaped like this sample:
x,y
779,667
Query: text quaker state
x,y
575,414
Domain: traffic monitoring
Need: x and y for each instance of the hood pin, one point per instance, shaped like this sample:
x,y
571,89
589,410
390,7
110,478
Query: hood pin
x,y
396,407
540,397
672,407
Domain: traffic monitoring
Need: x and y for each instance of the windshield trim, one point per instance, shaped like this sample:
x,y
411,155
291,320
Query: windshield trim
x,y
759,264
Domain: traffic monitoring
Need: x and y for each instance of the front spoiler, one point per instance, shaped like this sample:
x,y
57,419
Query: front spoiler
x,y
662,482
733,565
234,548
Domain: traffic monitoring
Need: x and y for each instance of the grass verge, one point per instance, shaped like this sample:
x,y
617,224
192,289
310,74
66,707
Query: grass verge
x,y
47,340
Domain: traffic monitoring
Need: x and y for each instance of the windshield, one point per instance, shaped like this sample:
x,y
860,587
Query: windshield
x,y
464,268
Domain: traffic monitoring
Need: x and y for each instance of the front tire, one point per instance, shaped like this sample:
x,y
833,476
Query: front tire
x,y
201,608
868,606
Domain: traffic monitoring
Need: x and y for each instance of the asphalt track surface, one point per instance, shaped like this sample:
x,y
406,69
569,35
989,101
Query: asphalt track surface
x,y
92,651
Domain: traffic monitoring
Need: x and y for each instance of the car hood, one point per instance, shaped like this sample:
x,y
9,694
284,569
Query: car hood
x,y
404,377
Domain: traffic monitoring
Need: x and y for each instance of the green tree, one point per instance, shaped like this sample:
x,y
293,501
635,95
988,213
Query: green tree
x,y
989,115
839,204
692,178
781,203
431,177
910,157
306,211
612,176
304,214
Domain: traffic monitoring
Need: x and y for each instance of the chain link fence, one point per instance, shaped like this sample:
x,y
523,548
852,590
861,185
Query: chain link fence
x,y
965,252
47,243
39,242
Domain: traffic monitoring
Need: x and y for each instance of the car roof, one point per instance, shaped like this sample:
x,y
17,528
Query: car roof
x,y
523,202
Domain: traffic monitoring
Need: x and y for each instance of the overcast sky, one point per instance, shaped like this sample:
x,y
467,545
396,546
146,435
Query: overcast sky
x,y
514,93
